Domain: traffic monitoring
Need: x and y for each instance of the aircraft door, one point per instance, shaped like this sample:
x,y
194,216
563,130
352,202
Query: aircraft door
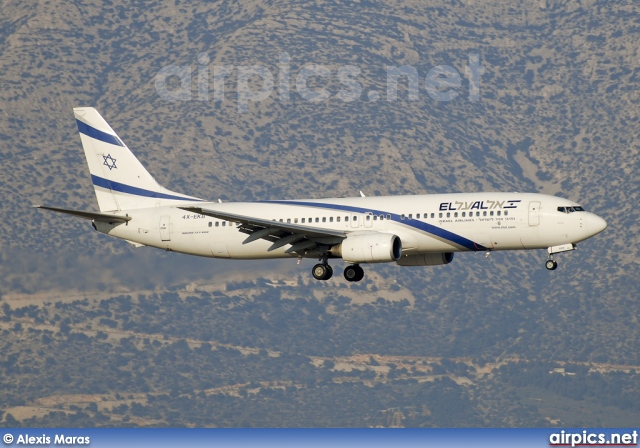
x,y
368,219
534,213
165,228
355,220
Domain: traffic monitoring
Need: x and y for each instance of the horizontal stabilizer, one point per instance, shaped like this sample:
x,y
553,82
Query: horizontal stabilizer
x,y
104,217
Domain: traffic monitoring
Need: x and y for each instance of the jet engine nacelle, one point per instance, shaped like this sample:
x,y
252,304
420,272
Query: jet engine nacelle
x,y
369,248
426,259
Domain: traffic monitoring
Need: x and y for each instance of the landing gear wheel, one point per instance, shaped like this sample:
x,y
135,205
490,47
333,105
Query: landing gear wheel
x,y
552,265
329,273
353,273
322,271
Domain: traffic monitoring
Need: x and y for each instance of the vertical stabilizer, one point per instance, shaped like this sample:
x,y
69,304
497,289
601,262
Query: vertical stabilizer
x,y
119,179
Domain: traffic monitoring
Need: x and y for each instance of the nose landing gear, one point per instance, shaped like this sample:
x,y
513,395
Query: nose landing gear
x,y
551,264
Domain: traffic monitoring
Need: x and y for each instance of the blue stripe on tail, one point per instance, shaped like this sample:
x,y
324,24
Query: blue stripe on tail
x,y
92,132
124,188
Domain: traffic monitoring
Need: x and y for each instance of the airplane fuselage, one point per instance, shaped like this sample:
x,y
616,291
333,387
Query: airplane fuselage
x,y
424,223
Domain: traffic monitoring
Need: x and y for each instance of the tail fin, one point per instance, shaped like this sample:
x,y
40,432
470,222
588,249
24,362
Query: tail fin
x,y
119,179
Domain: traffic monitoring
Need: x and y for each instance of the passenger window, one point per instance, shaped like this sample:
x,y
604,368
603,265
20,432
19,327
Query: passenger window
x,y
491,213
217,224
440,215
338,219
302,220
331,219
484,213
506,212
288,220
317,219
375,217
410,215
346,218
368,218
355,218
448,215
455,215
417,215
210,223
295,221
463,214
324,219
433,215
389,217
281,220
381,217
224,223
498,213
402,216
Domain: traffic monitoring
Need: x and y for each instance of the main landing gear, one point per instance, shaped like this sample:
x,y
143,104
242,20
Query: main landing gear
x,y
551,264
322,271
353,273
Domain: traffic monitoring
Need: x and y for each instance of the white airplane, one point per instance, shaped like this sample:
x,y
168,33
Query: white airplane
x,y
416,230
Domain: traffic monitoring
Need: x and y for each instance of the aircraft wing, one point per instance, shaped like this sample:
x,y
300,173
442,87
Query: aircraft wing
x,y
105,217
303,239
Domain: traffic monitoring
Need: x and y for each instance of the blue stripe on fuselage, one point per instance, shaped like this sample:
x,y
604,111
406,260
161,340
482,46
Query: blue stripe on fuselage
x,y
425,227
92,132
123,188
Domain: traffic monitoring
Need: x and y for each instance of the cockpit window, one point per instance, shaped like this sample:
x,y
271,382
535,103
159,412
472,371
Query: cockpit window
x,y
570,209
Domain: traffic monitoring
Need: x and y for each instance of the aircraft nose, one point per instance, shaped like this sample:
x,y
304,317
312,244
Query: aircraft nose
x,y
596,224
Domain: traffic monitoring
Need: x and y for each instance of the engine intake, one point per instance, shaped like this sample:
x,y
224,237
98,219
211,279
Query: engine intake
x,y
369,248
426,259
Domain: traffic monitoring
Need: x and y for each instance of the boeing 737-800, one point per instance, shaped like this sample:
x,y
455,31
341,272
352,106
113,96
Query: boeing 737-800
x,y
416,230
